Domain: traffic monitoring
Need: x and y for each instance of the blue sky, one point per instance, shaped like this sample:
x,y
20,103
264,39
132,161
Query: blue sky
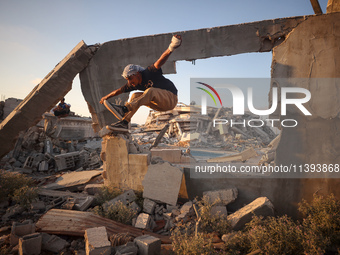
x,y
35,35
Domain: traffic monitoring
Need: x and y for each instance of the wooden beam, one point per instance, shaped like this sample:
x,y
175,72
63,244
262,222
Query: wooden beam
x,y
74,223
316,6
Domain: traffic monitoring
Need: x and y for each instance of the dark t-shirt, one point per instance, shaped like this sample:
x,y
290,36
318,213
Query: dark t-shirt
x,y
151,77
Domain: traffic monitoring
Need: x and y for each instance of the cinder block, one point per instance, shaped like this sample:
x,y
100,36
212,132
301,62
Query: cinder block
x,y
53,243
128,249
148,245
30,244
226,196
126,198
143,221
43,166
148,206
21,229
96,241
260,206
83,203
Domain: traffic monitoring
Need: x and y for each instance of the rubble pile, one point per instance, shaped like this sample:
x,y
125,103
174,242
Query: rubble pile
x,y
64,222
38,151
188,125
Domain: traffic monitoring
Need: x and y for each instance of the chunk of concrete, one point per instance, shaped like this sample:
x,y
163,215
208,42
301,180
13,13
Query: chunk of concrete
x,y
83,203
126,198
21,229
148,245
149,206
143,221
53,243
260,206
93,189
220,210
225,196
128,249
162,183
30,244
96,241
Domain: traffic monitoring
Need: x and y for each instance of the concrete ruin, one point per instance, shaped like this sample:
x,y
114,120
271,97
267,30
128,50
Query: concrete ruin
x,y
303,47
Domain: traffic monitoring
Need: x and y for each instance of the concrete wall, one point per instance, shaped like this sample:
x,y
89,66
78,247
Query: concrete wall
x,y
103,74
305,47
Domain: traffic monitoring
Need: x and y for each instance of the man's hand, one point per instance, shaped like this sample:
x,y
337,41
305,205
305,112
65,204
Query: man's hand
x,y
102,100
176,41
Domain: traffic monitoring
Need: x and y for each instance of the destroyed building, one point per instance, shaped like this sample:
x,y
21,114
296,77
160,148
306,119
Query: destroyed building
x,y
303,47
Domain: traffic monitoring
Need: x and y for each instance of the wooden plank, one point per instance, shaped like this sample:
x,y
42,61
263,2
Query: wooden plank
x,y
316,6
74,223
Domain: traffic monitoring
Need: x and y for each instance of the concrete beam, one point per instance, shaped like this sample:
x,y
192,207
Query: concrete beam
x,y
316,6
103,73
44,96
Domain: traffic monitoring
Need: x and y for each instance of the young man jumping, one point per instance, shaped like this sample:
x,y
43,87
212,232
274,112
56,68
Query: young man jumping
x,y
159,94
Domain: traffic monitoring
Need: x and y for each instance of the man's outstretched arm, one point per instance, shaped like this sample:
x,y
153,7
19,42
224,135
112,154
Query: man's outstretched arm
x,y
112,94
175,43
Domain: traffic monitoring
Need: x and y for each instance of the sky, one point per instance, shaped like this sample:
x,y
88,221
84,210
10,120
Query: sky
x,y
36,35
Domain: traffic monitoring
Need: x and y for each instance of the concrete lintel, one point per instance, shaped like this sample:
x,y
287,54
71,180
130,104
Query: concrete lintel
x,y
44,96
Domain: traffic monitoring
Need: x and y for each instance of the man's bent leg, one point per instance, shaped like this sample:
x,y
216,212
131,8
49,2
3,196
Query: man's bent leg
x,y
155,98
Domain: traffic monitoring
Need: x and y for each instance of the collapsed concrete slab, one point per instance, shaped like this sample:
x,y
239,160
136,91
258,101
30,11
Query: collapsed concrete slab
x,y
260,206
44,96
162,183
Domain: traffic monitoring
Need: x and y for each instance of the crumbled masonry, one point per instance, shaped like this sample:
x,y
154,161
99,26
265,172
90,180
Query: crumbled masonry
x,y
71,159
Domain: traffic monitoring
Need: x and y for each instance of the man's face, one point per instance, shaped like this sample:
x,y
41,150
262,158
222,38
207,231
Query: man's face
x,y
134,79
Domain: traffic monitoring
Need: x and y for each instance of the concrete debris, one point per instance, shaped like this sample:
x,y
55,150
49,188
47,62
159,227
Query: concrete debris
x,y
162,177
148,245
21,229
30,244
221,197
53,243
97,242
260,206
127,249
126,198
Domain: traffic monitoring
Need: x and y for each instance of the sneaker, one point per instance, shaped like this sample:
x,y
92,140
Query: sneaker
x,y
122,126
117,110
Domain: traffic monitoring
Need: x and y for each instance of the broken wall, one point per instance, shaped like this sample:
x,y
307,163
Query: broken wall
x,y
103,74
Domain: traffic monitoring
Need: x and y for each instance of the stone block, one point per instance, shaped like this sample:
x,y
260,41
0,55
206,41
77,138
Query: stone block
x,y
149,206
30,244
162,183
187,208
128,249
260,206
226,196
148,245
21,229
43,166
93,189
220,210
143,221
53,243
126,198
38,206
83,203
96,241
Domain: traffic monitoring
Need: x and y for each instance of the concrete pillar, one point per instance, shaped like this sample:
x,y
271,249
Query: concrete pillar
x,y
122,169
